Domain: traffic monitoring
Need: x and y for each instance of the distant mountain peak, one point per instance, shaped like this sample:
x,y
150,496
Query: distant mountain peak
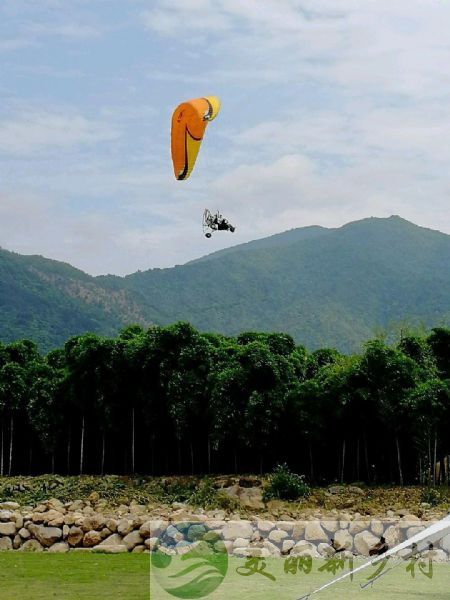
x,y
325,286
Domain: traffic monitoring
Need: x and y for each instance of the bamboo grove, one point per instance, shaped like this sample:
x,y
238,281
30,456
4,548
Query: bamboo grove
x,y
173,400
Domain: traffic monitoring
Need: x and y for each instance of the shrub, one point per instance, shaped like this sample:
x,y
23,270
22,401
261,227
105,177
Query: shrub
x,y
204,495
431,496
284,485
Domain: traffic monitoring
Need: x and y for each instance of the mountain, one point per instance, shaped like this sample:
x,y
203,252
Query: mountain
x,y
327,287
48,301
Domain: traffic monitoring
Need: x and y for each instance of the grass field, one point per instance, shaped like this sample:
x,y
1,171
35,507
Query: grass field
x,y
74,576
126,576
395,585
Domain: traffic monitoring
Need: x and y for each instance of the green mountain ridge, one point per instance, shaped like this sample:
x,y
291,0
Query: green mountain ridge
x,y
326,287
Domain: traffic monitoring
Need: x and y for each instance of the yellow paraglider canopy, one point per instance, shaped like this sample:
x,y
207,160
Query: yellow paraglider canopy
x,y
189,122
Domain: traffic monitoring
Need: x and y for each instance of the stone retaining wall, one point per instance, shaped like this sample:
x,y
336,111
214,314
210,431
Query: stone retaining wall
x,y
84,526
75,526
315,538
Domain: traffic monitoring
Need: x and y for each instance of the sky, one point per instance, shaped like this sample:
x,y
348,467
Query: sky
x,y
332,111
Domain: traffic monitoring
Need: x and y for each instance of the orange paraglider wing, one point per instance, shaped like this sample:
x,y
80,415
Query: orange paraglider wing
x,y
189,122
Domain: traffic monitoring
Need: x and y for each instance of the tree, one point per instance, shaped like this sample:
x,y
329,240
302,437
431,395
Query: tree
x,y
389,376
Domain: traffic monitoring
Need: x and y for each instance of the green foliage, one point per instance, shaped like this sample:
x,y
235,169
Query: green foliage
x,y
284,485
432,496
322,287
196,492
205,494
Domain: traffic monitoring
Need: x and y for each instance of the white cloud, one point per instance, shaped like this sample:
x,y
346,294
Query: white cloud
x,y
33,132
64,29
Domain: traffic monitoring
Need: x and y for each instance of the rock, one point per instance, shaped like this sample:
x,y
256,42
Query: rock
x,y
314,532
70,519
325,549
392,536
277,536
60,548
138,549
377,528
5,515
243,552
144,530
138,509
408,521
6,543
413,530
124,527
357,527
31,546
353,489
76,505
343,539
251,498
151,543
93,522
105,532
273,550
132,539
75,536
174,532
118,549
18,520
364,541
53,515
196,532
7,528
241,543
111,524
439,556
113,540
17,542
265,526
236,529
336,489
298,531
445,543
65,531
91,539
330,526
287,526
287,546
47,536
9,505
24,533
38,517
232,491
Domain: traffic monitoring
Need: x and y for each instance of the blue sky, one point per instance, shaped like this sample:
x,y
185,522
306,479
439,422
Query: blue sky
x,y
332,110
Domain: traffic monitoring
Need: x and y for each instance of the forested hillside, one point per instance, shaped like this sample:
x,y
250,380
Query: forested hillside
x,y
325,287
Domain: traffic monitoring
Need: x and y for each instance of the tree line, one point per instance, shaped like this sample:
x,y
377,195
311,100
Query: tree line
x,y
174,400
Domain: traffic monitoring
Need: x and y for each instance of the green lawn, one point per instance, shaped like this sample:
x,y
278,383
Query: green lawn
x,y
126,576
395,585
74,576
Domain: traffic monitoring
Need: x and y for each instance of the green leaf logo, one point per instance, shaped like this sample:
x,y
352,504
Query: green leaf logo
x,y
199,570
